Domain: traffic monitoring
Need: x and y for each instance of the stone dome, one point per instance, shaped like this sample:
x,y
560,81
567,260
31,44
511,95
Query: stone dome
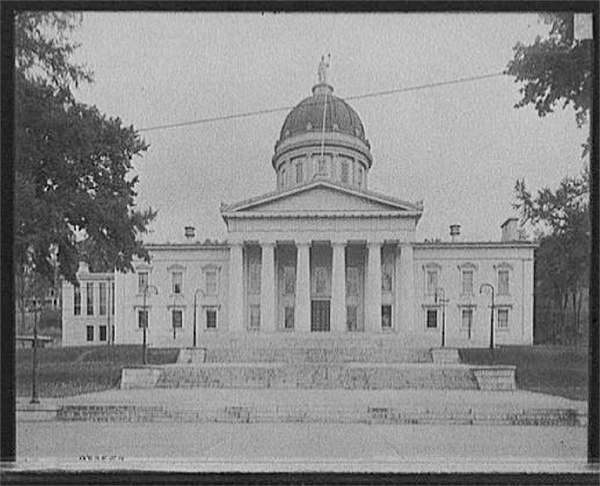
x,y
307,116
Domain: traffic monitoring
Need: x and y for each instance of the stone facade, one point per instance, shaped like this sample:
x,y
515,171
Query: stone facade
x,y
325,257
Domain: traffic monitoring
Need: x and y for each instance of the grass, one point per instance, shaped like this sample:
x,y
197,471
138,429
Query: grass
x,y
73,370
556,370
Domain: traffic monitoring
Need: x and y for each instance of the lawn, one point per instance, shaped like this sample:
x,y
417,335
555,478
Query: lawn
x,y
556,370
73,370
83,369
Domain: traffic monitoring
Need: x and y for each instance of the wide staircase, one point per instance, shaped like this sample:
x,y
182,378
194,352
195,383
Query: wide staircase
x,y
310,367
342,380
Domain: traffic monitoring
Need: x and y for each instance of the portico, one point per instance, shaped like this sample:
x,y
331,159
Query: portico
x,y
323,271
317,286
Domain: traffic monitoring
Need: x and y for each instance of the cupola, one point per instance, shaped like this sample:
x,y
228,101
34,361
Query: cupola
x,y
322,138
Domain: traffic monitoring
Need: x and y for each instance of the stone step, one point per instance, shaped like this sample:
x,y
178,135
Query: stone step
x,y
366,376
456,414
307,354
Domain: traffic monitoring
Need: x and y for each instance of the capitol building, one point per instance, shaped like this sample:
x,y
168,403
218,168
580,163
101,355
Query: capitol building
x,y
322,256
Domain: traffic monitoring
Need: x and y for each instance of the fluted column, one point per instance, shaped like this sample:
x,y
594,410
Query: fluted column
x,y
406,287
267,287
236,288
302,312
338,287
373,293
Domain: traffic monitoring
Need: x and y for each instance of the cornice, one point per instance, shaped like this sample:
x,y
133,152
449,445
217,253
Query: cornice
x,y
473,244
321,214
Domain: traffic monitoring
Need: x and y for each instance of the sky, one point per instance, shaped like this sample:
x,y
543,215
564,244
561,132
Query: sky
x,y
459,148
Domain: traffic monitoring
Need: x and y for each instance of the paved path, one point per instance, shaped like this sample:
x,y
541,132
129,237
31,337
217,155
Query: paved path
x,y
299,447
409,399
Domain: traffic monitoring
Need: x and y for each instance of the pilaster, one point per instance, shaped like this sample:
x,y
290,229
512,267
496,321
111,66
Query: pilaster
x,y
236,288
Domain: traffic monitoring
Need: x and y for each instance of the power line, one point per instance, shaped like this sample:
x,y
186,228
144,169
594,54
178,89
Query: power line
x,y
356,97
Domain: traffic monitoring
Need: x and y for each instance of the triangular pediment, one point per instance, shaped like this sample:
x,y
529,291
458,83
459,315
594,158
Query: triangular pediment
x,y
321,196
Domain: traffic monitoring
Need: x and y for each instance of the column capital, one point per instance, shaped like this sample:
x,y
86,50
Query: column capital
x,y
266,243
303,242
342,243
235,242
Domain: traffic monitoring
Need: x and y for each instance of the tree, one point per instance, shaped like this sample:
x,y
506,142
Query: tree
x,y
562,259
555,69
558,70
72,164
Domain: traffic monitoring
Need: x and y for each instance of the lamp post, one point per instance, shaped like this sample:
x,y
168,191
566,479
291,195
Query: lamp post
x,y
492,312
34,398
195,302
144,342
443,300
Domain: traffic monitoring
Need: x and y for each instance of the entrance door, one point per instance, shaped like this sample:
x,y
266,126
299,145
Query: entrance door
x,y
319,321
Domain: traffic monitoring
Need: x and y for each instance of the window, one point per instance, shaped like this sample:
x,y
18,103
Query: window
x,y
90,333
467,321
90,298
502,318
177,318
503,282
320,280
322,166
299,172
289,318
103,334
177,278
467,282
359,180
345,171
352,317
432,281
76,300
211,318
432,315
289,280
142,282
112,300
102,298
142,318
283,175
211,282
254,284
352,281
467,318
254,317
386,316
386,278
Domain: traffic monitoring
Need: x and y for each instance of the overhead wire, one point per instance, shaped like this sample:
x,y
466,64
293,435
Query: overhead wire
x,y
355,97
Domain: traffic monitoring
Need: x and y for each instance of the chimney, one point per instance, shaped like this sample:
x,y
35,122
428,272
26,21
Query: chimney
x,y
454,232
190,232
510,229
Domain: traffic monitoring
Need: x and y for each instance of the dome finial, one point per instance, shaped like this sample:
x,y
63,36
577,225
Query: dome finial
x,y
323,68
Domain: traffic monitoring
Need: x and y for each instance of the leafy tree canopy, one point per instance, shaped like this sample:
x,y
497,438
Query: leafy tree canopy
x,y
72,163
554,70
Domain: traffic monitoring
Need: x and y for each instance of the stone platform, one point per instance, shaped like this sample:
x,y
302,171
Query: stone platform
x,y
376,365
417,407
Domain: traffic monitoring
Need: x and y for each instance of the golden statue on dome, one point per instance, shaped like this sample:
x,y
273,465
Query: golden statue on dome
x,y
323,67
